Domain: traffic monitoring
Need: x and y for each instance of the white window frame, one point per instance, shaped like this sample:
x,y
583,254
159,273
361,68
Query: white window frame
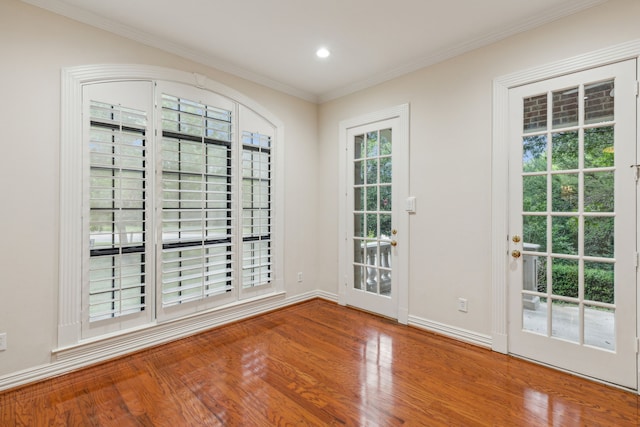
x,y
70,314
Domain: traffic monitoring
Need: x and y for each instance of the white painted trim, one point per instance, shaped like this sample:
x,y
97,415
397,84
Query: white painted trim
x,y
200,57
459,334
609,55
97,72
149,335
329,296
89,353
453,51
70,238
401,178
500,163
71,176
528,23
637,227
499,218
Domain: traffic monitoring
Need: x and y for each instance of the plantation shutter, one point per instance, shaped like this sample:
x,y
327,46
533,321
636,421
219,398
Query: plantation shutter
x,y
117,211
256,209
197,218
177,205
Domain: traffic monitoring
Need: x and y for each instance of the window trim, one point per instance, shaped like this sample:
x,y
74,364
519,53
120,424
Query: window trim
x,y
70,310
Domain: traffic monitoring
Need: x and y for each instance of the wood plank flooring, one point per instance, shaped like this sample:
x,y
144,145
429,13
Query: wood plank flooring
x,y
317,364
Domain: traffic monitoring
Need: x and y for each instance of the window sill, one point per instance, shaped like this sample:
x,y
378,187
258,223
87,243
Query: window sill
x,y
105,347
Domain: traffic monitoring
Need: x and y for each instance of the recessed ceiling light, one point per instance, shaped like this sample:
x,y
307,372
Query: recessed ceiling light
x,y
323,52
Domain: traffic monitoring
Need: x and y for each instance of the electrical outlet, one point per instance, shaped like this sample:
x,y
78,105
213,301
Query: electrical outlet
x,y
3,341
462,305
300,277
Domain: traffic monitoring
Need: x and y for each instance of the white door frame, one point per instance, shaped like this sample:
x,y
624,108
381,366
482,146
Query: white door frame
x,y
400,178
500,168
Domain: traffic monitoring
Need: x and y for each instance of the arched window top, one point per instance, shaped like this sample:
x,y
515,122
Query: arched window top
x,y
169,186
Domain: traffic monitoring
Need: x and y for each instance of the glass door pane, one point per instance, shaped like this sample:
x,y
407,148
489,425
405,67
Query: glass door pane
x,y
567,214
372,212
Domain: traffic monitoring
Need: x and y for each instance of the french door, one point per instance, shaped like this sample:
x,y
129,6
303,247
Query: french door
x,y
572,223
376,227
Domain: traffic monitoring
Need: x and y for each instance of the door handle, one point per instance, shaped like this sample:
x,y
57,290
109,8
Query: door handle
x,y
394,243
515,253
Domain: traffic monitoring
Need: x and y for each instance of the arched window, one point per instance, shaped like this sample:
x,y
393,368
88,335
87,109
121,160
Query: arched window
x,y
169,187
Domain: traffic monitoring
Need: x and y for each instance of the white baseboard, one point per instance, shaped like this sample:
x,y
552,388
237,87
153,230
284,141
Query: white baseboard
x,y
451,332
69,359
329,296
500,343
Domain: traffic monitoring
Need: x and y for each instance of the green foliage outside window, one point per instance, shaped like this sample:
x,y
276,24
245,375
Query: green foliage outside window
x,y
598,197
598,282
378,172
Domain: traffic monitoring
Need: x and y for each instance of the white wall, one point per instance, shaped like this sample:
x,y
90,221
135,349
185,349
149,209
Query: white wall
x,y
450,163
34,46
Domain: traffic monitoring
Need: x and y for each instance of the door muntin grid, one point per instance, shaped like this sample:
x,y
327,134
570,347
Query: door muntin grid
x,y
568,214
372,212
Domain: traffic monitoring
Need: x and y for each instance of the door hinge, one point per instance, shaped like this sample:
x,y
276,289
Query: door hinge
x,y
637,345
637,87
637,260
636,175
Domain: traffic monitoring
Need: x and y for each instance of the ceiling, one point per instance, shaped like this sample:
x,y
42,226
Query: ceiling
x,y
273,42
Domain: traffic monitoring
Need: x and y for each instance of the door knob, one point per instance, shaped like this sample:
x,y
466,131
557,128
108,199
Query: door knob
x,y
394,243
515,238
515,253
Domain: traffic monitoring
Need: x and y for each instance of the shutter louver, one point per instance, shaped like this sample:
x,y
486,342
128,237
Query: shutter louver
x,y
256,210
117,210
196,218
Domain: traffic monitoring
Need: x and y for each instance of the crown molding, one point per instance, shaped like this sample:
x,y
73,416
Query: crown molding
x,y
81,15
62,8
461,48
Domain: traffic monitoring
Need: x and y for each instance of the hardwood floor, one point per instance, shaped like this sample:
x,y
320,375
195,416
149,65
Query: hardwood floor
x,y
317,364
